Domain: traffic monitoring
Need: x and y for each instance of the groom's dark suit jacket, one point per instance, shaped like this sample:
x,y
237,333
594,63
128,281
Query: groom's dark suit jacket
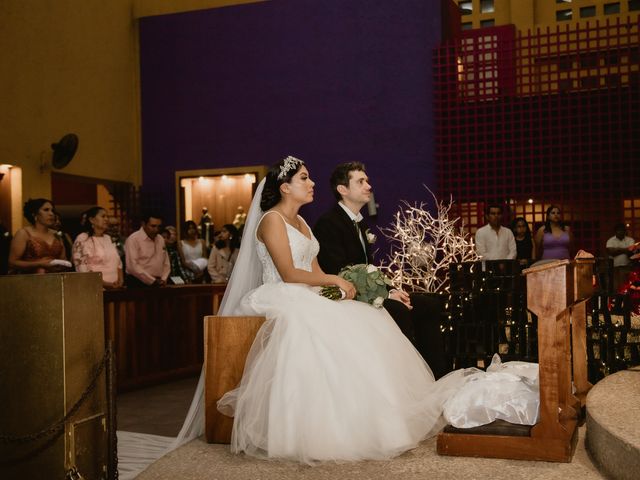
x,y
340,246
339,242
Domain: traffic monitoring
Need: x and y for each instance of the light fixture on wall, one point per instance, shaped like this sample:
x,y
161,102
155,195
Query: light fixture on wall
x,y
4,169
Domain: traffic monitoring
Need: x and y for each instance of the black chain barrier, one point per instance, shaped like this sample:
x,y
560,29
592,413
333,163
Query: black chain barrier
x,y
55,430
112,457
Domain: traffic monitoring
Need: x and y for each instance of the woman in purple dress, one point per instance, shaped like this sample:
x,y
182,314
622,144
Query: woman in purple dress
x,y
554,240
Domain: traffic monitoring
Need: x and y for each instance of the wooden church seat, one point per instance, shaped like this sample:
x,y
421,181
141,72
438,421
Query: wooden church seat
x,y
227,343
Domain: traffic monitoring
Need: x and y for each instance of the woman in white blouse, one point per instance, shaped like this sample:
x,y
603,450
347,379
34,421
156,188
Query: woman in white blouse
x,y
193,251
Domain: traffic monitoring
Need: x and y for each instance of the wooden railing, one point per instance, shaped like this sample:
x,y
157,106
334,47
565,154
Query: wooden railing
x,y
157,333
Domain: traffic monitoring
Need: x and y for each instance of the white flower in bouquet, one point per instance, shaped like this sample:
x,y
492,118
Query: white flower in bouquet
x,y
371,284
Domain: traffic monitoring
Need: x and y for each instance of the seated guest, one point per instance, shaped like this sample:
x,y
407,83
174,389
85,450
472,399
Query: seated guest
x,y
179,274
146,257
618,250
94,251
224,254
526,252
37,248
494,242
554,239
193,251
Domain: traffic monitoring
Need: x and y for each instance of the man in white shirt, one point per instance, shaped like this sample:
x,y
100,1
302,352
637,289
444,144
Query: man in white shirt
x,y
494,242
618,250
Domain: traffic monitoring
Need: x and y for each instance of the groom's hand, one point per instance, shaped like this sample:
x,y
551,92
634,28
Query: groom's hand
x,y
401,296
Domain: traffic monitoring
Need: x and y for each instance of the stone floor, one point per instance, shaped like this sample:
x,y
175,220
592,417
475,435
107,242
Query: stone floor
x,y
160,411
198,460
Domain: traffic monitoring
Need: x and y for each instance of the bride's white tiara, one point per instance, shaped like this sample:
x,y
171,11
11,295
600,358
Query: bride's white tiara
x,y
289,163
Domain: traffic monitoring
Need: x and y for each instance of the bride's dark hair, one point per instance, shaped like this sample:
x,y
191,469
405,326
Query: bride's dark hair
x,y
271,193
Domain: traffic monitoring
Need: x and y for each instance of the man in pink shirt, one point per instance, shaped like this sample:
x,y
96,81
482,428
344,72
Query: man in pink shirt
x,y
147,260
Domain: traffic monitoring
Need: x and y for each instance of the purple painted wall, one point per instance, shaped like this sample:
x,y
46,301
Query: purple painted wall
x,y
327,81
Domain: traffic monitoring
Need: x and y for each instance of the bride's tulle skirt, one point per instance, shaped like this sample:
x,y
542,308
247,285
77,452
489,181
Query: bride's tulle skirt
x,y
331,380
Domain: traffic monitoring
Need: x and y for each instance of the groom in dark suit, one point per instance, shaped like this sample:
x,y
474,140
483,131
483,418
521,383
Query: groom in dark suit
x,y
345,240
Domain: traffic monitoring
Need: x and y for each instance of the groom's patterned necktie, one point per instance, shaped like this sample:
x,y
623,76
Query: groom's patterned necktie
x,y
361,238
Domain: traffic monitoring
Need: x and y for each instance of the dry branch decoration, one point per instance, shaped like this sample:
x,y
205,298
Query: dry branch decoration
x,y
423,246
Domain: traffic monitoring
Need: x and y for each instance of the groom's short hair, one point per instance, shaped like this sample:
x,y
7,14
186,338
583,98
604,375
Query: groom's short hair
x,y
341,175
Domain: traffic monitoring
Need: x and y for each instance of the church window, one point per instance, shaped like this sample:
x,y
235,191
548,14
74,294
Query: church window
x,y
486,6
611,8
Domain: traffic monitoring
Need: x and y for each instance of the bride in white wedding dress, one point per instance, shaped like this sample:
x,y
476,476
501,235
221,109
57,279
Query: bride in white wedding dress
x,y
324,380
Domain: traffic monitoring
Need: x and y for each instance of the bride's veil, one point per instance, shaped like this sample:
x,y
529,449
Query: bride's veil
x,y
247,271
136,451
246,275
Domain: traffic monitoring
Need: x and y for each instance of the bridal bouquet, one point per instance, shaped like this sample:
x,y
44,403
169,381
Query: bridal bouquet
x,y
371,284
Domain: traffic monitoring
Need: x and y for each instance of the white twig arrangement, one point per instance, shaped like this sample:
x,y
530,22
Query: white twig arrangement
x,y
423,246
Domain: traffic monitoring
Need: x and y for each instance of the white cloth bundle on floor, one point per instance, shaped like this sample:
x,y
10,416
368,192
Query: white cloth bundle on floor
x,y
506,391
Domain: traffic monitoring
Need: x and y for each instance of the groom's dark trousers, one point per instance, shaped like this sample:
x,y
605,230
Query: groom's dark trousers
x,y
340,246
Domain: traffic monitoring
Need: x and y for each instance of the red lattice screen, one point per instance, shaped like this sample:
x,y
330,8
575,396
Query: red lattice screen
x,y
539,118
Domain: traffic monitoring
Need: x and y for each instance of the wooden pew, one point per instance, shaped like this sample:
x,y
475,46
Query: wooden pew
x,y
556,293
227,343
157,332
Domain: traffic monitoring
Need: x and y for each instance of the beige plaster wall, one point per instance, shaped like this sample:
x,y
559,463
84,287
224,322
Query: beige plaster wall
x,y
69,66
73,66
147,8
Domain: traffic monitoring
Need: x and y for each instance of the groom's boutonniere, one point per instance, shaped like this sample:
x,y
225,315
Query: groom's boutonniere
x,y
371,238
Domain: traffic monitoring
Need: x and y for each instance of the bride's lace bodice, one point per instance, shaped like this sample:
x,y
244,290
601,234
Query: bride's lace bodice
x,y
303,251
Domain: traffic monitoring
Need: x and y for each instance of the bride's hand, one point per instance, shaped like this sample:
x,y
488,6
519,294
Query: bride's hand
x,y
347,287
